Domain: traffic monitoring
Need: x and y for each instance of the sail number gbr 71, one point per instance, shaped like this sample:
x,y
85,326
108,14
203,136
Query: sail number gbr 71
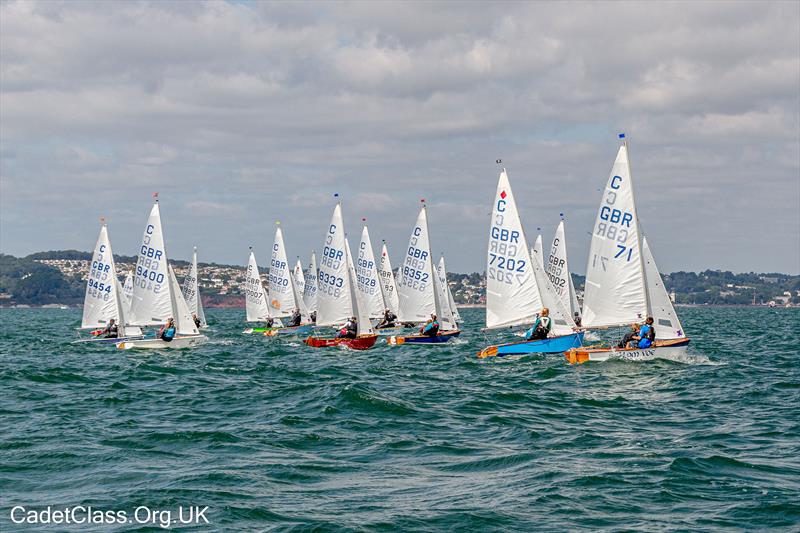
x,y
505,264
614,224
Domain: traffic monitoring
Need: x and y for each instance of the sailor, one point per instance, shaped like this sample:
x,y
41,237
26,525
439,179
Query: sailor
x,y
196,320
313,317
647,334
295,320
167,331
349,330
577,319
541,327
631,337
111,331
388,319
269,322
431,327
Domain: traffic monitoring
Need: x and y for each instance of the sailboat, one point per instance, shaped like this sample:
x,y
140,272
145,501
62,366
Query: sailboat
x,y
104,299
191,291
255,297
442,271
558,272
310,288
420,290
517,287
127,292
367,278
157,295
623,284
337,296
387,281
283,296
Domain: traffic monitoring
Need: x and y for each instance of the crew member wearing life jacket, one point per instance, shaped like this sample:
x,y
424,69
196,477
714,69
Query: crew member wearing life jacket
x,y
269,322
431,327
647,334
111,331
631,338
577,319
313,317
388,319
541,328
350,329
167,331
295,320
196,320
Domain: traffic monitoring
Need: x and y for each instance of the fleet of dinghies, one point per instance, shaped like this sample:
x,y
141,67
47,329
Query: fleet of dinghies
x,y
342,300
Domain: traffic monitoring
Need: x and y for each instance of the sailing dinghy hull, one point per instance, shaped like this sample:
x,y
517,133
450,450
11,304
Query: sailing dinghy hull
x,y
443,337
558,344
305,329
362,342
104,340
177,343
674,349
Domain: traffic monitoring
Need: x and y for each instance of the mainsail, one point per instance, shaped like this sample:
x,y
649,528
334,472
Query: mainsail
x,y
441,270
184,323
387,281
512,294
151,303
367,279
415,285
557,269
281,295
615,291
665,318
363,325
536,251
299,276
334,291
127,293
101,302
310,290
191,290
255,296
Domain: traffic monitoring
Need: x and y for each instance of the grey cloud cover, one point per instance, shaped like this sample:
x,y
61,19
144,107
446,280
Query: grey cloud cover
x,y
243,113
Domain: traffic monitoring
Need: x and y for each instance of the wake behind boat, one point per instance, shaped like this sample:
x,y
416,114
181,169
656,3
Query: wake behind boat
x,y
623,284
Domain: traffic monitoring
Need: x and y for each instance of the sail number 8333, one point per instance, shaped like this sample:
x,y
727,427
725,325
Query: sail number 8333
x,y
614,224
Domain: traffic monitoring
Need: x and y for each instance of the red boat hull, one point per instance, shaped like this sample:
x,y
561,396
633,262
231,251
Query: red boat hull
x,y
363,342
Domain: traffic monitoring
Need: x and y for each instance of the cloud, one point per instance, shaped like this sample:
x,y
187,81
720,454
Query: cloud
x,y
243,113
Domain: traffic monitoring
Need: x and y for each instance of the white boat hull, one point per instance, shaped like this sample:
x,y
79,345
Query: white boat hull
x,y
179,342
674,350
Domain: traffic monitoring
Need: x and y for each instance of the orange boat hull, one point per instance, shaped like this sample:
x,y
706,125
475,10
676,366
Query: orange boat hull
x,y
362,342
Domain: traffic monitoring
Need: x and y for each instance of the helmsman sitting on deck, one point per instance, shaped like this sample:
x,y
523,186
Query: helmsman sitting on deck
x,y
111,331
388,319
647,334
631,336
541,328
431,327
295,320
349,330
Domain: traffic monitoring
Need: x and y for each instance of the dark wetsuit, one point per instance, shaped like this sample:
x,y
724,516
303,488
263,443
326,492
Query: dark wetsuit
x,y
388,320
295,321
349,331
111,331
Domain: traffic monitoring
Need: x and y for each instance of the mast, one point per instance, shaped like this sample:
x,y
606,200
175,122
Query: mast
x,y
648,308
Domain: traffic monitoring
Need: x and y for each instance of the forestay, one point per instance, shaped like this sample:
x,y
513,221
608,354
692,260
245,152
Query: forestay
x,y
150,303
615,290
281,296
334,295
310,289
557,268
191,290
665,318
387,281
367,279
255,296
184,323
415,285
512,295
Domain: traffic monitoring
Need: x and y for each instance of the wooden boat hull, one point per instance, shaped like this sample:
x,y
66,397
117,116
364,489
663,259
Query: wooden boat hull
x,y
362,342
441,338
303,329
674,349
179,342
559,344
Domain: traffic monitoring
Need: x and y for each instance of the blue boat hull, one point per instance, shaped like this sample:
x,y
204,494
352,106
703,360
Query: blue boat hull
x,y
559,344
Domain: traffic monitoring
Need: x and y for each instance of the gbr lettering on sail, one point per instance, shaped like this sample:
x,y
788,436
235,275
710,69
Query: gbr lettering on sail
x,y
415,266
614,224
504,264
148,263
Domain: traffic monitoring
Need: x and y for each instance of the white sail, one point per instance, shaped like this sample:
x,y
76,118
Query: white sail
x,y
665,318
334,294
298,298
100,304
122,329
367,279
387,281
299,276
127,293
184,323
444,313
512,294
191,290
150,304
557,268
360,308
310,289
415,287
281,296
441,269
537,250
615,290
563,322
255,296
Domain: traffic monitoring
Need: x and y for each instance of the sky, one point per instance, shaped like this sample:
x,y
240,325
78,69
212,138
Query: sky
x,y
243,113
